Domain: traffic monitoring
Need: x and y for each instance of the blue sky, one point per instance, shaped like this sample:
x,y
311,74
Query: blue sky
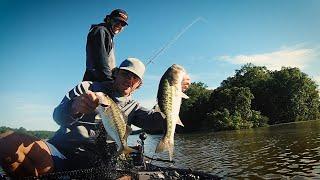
x,y
42,45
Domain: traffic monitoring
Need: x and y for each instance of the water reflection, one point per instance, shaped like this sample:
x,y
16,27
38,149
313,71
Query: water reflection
x,y
290,150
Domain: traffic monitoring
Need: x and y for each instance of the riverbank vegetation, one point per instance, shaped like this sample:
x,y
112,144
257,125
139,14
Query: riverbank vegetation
x,y
253,97
40,134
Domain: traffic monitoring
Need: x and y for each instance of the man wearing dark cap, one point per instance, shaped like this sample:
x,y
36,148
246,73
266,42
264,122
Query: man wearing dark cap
x,y
100,54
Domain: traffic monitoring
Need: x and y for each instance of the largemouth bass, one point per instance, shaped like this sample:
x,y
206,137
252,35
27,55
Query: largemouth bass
x,y
169,101
114,122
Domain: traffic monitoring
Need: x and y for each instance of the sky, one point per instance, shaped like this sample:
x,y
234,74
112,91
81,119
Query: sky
x,y
42,45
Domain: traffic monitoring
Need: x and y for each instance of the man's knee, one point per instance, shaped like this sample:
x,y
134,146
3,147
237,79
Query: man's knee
x,y
23,152
9,147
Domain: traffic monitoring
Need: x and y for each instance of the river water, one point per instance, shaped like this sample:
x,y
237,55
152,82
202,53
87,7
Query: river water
x,y
276,152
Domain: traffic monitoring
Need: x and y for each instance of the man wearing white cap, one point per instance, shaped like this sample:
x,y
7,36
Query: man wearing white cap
x,y
73,144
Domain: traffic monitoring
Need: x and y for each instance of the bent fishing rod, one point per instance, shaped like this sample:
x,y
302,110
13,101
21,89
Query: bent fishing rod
x,y
172,41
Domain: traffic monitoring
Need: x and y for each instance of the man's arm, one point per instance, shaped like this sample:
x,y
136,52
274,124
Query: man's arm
x,y
74,105
149,120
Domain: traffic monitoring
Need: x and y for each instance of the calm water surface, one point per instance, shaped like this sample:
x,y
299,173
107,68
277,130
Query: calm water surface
x,y
288,150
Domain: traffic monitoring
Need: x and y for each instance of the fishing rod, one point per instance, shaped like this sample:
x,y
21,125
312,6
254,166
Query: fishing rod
x,y
172,41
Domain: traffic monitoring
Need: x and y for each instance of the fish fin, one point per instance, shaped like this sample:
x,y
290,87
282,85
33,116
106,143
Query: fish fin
x,y
102,99
162,145
157,109
125,117
179,122
165,145
128,131
162,114
183,95
127,150
119,151
170,152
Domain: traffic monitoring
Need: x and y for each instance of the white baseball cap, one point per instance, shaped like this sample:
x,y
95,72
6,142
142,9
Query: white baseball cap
x,y
133,65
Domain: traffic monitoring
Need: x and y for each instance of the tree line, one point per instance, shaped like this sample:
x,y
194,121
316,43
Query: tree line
x,y
253,97
40,134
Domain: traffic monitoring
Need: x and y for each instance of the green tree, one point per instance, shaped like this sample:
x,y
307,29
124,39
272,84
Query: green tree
x,y
284,96
231,109
249,75
4,129
293,97
256,78
38,134
193,110
233,99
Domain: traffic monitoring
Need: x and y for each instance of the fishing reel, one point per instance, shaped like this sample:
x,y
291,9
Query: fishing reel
x,y
137,157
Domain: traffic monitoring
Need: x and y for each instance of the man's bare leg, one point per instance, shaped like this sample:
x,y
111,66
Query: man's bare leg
x,y
22,155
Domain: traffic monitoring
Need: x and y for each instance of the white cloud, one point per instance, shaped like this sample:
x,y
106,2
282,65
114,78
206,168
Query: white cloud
x,y
296,56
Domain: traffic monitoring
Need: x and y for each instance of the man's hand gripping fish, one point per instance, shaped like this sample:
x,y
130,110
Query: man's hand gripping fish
x,y
114,122
169,100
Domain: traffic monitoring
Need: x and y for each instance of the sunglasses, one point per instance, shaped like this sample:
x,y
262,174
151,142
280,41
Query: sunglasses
x,y
117,21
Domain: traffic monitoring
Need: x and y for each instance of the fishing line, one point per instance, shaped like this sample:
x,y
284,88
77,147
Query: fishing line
x,y
173,40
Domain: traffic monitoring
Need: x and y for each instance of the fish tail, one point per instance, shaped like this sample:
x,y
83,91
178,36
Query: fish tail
x,y
170,152
127,150
165,144
162,145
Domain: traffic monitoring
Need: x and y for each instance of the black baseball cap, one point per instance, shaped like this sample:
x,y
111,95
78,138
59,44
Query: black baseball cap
x,y
120,15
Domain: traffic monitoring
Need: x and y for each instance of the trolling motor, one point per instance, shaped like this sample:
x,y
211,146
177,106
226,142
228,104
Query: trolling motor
x,y
142,136
137,157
